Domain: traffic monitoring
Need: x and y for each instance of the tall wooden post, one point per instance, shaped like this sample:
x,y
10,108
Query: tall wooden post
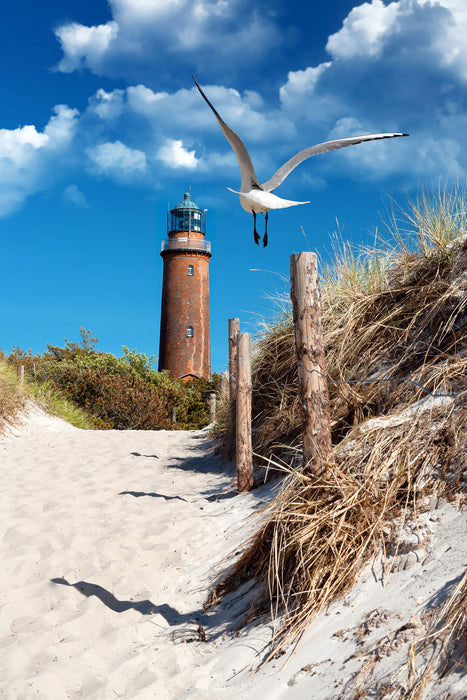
x,y
243,428
21,375
234,329
313,389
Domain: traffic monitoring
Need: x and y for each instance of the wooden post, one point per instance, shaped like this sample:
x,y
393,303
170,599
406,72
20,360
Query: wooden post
x,y
313,388
234,328
243,428
212,407
21,375
224,384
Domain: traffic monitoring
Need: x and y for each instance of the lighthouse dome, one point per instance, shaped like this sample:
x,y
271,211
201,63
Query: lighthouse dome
x,y
186,203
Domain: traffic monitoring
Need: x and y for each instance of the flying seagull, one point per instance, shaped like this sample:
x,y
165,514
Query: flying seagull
x,y
258,198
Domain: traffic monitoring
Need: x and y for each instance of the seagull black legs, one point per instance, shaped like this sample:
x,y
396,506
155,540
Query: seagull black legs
x,y
265,238
255,232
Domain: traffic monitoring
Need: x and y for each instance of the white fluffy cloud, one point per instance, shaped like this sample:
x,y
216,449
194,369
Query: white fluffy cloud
x,y
27,156
116,158
175,155
450,40
438,27
364,30
396,65
85,46
18,145
301,82
143,31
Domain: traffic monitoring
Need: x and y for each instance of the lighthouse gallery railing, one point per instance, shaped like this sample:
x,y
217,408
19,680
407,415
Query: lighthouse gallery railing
x,y
185,243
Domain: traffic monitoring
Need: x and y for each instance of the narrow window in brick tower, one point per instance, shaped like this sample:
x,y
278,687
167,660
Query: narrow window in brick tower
x,y
189,332
191,271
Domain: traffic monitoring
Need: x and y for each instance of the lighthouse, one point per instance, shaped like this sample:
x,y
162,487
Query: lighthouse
x,y
184,348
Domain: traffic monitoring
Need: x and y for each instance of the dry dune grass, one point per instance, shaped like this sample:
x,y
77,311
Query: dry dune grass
x,y
12,399
397,314
321,532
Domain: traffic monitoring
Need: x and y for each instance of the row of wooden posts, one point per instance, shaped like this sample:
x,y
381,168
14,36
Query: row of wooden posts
x,y
312,382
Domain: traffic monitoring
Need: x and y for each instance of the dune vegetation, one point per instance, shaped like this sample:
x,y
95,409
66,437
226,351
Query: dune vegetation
x,y
11,397
395,331
92,389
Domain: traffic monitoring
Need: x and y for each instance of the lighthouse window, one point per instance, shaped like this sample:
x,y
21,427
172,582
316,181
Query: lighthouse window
x,y
189,332
191,271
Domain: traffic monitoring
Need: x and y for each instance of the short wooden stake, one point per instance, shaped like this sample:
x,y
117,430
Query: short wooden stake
x,y
212,407
21,375
313,388
224,383
243,428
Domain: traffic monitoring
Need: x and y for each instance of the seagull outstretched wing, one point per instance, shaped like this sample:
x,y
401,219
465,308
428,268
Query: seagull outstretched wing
x,y
247,171
292,163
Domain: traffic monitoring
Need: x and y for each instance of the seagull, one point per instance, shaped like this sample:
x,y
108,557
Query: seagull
x,y
256,197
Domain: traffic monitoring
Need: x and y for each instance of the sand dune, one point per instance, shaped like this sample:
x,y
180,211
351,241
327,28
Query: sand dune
x,y
111,541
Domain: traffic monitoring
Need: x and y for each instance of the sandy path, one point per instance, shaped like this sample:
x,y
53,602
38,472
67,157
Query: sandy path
x,y
107,552
110,542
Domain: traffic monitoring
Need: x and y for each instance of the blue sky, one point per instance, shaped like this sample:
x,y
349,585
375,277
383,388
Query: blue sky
x,y
101,129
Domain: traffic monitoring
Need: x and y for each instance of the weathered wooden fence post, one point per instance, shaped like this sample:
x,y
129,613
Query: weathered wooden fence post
x,y
313,388
21,375
224,383
234,329
243,427
212,407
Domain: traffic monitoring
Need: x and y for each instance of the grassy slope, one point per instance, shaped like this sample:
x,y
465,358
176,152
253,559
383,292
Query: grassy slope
x,y
13,399
400,312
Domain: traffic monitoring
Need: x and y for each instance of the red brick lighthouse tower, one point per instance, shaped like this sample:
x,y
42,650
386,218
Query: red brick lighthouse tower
x,y
185,338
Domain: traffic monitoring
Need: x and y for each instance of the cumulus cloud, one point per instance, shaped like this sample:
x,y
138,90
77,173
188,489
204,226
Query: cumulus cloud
x,y
116,158
300,83
18,145
143,31
174,155
432,28
394,66
85,46
107,105
364,30
27,155
397,65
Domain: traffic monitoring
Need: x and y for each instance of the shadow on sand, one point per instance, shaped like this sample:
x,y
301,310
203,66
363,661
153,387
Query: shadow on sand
x,y
216,622
145,607
153,494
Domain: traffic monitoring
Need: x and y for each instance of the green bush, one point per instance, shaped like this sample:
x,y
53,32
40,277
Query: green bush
x,y
124,393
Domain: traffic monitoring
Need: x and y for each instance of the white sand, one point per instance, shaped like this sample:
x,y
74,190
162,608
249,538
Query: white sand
x,y
110,543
